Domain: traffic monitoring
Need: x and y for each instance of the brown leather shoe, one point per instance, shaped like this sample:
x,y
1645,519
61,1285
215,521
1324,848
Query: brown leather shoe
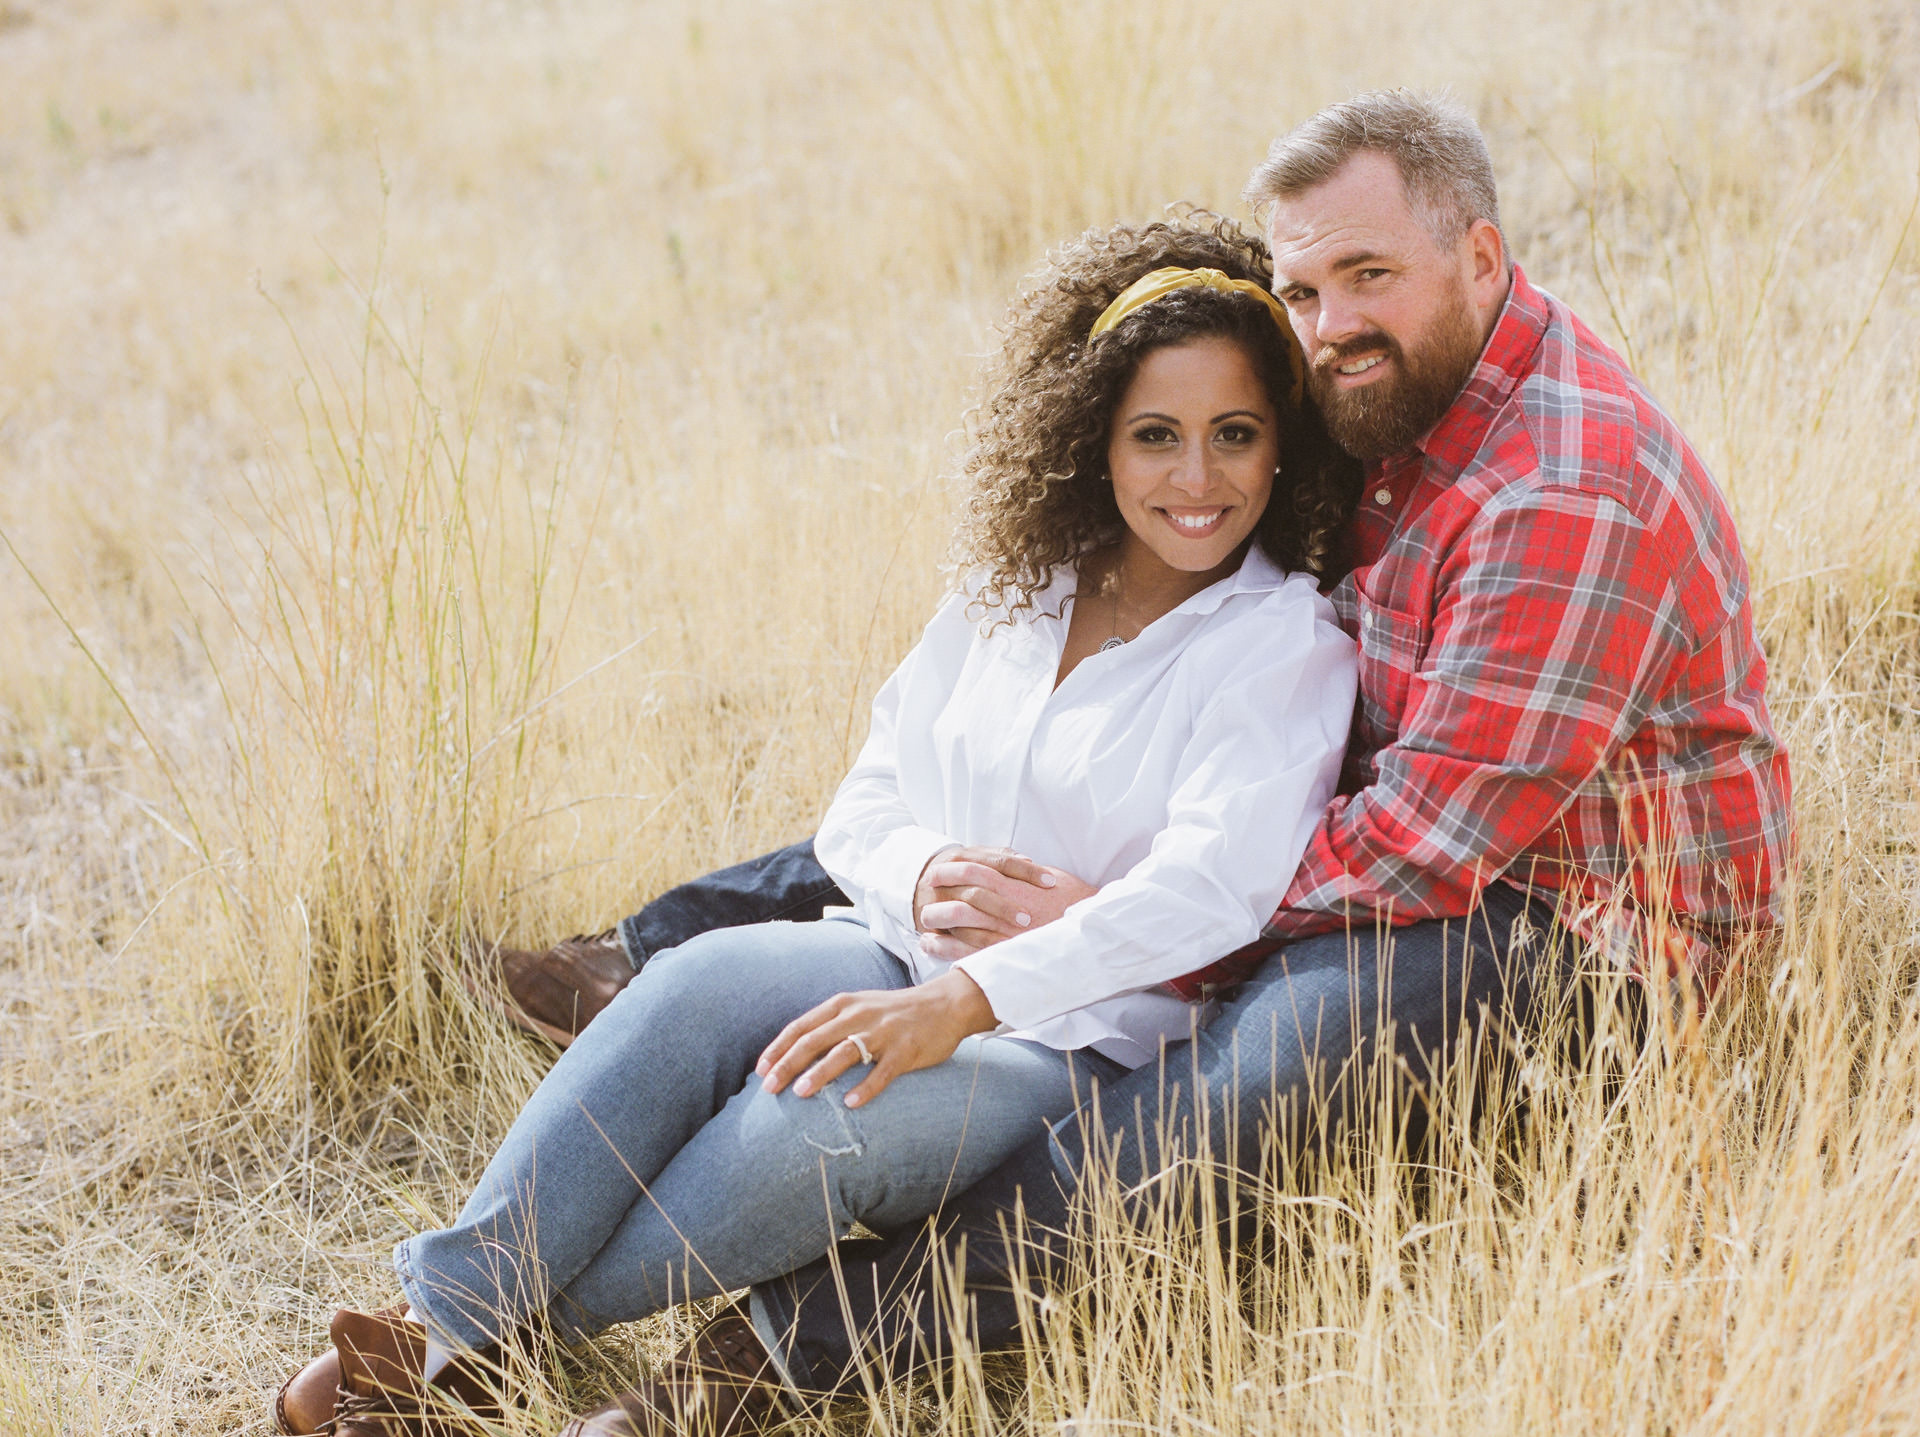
x,y
555,992
382,1390
722,1384
303,1407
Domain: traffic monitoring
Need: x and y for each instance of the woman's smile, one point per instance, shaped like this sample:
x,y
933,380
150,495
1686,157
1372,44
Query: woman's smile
x,y
1195,523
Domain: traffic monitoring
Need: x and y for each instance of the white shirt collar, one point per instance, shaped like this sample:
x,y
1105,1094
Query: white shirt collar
x,y
1257,574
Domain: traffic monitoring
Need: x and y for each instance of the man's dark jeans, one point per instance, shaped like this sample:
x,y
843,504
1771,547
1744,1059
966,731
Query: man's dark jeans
x,y
1302,1039
788,883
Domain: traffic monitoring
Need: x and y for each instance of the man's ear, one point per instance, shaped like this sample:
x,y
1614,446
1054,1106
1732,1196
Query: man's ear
x,y
1488,278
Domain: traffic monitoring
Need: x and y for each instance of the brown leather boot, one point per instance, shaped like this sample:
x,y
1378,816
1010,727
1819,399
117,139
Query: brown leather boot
x,y
382,1390
554,992
722,1384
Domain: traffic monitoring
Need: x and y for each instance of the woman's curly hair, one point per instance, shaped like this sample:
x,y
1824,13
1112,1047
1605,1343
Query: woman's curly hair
x,y
1036,463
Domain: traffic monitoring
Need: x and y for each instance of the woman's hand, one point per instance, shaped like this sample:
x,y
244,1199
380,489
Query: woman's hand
x,y
899,1031
969,898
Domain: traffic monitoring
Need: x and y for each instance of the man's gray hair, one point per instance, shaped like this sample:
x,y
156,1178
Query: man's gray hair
x,y
1438,148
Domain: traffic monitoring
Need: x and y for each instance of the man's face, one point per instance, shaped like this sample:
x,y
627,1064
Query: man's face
x,y
1392,320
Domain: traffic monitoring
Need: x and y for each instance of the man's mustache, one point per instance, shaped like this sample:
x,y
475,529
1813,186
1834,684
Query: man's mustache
x,y
1373,342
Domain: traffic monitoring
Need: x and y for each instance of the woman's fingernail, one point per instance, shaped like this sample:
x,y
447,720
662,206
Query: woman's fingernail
x,y
1047,880
853,1100
1023,919
803,1088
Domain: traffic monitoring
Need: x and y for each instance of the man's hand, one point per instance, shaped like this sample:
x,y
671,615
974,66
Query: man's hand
x,y
968,898
897,1031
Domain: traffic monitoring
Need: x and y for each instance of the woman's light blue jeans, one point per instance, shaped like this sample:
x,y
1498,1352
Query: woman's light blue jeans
x,y
650,1167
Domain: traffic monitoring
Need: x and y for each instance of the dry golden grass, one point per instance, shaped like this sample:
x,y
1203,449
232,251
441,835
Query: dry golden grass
x,y
469,463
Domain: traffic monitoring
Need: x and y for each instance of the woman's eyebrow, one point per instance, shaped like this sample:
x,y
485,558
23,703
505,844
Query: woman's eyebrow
x,y
1169,419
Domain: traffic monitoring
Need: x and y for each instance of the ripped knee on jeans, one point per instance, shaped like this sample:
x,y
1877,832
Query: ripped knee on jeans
x,y
824,1121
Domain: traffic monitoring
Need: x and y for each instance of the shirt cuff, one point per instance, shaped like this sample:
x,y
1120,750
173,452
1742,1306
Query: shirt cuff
x,y
1020,980
896,867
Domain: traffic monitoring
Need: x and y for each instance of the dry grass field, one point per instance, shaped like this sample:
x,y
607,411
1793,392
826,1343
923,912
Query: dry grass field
x,y
467,463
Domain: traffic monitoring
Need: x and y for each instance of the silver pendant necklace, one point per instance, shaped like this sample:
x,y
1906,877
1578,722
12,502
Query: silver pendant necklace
x,y
1107,646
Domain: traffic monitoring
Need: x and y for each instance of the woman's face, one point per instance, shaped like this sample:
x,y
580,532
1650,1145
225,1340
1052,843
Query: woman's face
x,y
1192,454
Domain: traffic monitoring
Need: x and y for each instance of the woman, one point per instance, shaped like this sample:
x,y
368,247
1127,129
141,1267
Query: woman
x,y
1138,687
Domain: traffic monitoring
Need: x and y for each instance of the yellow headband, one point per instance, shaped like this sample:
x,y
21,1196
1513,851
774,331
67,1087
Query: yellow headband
x,y
1149,287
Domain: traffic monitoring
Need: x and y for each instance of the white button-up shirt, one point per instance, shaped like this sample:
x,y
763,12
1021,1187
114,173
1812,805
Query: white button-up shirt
x,y
1181,773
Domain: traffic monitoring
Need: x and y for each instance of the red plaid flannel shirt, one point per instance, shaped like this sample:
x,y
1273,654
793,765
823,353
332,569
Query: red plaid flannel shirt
x,y
1560,684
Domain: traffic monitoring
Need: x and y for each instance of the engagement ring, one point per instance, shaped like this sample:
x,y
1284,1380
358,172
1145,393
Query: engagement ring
x,y
861,1043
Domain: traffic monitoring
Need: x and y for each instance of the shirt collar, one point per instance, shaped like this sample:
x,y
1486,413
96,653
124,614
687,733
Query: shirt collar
x,y
1507,360
1257,574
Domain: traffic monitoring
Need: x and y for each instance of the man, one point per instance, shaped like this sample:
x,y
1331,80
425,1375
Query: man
x,y
1562,755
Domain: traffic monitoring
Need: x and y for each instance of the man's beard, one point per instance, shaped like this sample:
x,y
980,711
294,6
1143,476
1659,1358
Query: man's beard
x,y
1376,419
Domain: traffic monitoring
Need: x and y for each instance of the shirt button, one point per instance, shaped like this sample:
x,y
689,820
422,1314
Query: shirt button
x,y
1383,497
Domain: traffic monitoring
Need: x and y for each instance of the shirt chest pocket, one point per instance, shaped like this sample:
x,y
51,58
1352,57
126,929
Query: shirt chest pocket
x,y
1392,647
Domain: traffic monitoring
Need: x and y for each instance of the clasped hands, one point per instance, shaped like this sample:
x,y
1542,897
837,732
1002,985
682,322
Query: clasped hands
x,y
967,898
971,898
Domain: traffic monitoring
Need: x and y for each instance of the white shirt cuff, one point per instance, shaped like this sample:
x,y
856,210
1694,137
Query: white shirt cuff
x,y
896,867
1021,979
